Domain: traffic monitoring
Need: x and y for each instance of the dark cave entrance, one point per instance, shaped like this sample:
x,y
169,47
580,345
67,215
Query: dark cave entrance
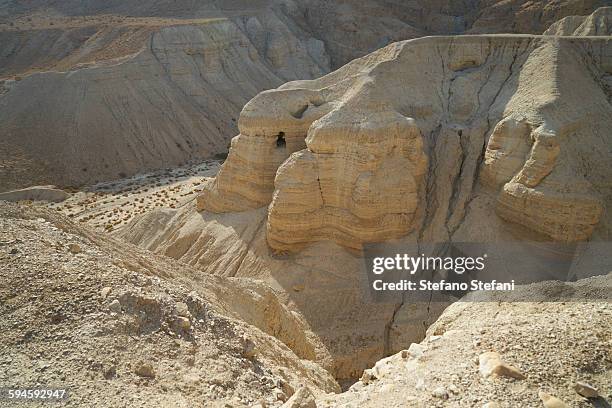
x,y
280,140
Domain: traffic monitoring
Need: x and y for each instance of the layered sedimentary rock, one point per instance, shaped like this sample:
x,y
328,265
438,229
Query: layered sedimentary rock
x,y
345,186
350,28
126,87
170,95
597,23
270,130
422,141
384,147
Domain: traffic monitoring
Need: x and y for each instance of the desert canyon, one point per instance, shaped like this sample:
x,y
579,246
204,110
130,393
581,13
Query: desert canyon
x,y
188,190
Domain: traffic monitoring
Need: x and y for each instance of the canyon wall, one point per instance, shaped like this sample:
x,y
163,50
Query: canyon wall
x,y
385,147
470,138
596,24
172,99
96,90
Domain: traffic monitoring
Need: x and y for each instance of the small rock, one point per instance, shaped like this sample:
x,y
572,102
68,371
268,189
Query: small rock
x,y
105,292
405,354
586,390
416,350
279,395
182,309
284,386
248,348
490,363
440,392
367,377
109,372
302,398
183,323
550,401
75,248
115,306
145,370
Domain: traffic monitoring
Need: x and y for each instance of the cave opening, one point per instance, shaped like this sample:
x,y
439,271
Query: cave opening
x,y
280,140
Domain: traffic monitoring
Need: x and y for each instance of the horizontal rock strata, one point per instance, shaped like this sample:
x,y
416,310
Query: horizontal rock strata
x,y
404,139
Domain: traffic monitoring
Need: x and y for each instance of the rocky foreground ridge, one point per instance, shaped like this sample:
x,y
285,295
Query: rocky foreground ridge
x,y
116,325
500,354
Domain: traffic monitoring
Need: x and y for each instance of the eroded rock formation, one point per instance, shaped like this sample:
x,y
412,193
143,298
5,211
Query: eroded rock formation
x,y
131,86
384,147
597,23
471,138
170,99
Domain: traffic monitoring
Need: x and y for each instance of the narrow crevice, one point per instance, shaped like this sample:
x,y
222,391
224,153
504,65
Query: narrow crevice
x,y
517,55
456,184
431,199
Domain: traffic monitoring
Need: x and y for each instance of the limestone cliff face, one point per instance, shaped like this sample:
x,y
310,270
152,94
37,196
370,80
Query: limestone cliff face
x,y
472,138
347,186
270,130
597,23
416,138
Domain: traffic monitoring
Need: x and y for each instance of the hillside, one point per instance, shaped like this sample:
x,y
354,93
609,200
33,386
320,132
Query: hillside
x,y
248,280
501,151
126,87
114,324
597,23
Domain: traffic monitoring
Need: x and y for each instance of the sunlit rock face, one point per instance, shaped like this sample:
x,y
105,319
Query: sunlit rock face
x,y
417,137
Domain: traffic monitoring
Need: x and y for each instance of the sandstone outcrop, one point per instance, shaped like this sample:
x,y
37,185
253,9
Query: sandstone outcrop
x,y
382,148
597,23
345,186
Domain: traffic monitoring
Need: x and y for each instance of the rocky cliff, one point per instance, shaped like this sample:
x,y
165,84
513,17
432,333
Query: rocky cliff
x,y
539,346
383,148
598,23
124,87
471,138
